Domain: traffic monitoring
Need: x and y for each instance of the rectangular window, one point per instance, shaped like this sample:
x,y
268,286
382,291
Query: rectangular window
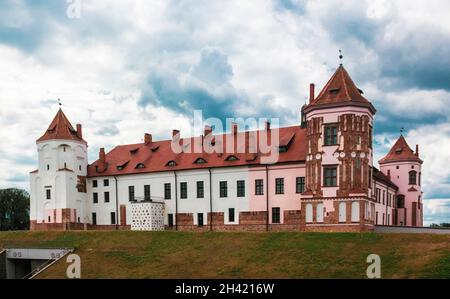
x,y
95,197
200,189
331,135
106,182
279,186
223,188
200,219
106,196
275,215
240,188
147,196
170,219
94,218
167,191
300,185
330,176
231,215
113,218
131,193
48,193
183,190
384,196
94,183
259,187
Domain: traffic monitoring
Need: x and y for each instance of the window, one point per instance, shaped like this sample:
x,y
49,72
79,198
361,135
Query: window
x,y
48,194
170,220
95,197
183,190
94,183
200,219
200,161
370,136
330,176
231,158
420,179
342,212
331,132
400,201
309,213
223,189
319,213
240,188
94,218
231,215
140,166
412,177
171,163
106,183
79,220
384,196
358,139
167,191
275,215
65,165
358,163
48,166
79,167
113,218
259,187
131,193
49,219
147,196
106,196
355,211
200,189
300,185
279,186
283,148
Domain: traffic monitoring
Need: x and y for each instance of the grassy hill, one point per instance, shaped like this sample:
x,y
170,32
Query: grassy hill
x,y
127,254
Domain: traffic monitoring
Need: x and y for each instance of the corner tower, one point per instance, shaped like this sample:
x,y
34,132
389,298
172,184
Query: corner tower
x,y
404,167
58,186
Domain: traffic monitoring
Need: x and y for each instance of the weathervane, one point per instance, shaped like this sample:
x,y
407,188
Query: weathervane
x,y
340,55
59,103
402,130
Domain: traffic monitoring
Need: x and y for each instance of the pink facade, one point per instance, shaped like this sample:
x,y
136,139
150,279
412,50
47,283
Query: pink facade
x,y
288,201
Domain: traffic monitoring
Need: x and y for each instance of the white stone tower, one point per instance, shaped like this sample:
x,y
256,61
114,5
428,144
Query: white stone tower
x,y
58,186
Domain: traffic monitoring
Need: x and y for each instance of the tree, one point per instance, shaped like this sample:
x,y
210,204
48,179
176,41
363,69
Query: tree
x,y
14,209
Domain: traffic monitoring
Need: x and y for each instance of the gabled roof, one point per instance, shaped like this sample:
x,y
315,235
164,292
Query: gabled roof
x,y
341,90
60,128
157,160
401,152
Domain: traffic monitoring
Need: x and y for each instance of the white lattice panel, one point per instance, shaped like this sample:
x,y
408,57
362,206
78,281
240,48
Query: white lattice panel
x,y
147,216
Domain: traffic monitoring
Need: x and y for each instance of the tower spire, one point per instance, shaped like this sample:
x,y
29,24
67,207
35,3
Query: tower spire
x,y
340,56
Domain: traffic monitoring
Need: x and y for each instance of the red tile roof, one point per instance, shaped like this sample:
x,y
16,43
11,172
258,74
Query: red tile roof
x,y
379,176
340,90
155,156
401,152
60,128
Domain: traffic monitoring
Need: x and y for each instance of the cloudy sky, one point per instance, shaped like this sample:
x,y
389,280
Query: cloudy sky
x,y
128,67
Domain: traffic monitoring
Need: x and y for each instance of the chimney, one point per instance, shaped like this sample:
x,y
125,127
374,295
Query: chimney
x,y
101,165
311,92
267,125
148,138
208,130
417,150
234,128
79,131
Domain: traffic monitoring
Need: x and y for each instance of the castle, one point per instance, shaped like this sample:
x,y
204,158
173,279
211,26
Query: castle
x,y
324,178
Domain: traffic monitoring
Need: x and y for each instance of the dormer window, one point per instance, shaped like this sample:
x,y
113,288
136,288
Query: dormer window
x,y
140,166
122,165
171,163
134,151
283,149
231,158
200,161
398,150
334,90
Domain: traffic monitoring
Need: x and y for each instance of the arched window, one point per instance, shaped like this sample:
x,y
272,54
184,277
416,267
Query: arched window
x,y
413,177
200,161
231,158
309,213
342,212
171,163
319,212
355,211
140,166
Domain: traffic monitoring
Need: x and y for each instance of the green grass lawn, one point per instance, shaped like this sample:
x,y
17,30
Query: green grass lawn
x,y
128,254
